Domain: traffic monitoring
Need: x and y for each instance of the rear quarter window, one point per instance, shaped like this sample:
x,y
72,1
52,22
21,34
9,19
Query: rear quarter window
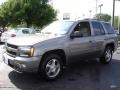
x,y
108,28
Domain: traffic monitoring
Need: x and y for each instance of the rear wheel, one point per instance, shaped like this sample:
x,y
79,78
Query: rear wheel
x,y
107,56
51,67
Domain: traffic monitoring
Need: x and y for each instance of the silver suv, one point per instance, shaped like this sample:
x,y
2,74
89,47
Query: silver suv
x,y
48,52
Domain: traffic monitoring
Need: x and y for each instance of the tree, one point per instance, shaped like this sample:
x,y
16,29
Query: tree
x,y
32,12
4,15
103,17
116,22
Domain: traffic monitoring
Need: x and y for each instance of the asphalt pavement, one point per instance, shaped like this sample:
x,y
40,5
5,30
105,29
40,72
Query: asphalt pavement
x,y
82,75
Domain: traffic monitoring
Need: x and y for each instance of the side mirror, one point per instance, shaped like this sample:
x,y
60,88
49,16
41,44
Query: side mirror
x,y
72,36
76,35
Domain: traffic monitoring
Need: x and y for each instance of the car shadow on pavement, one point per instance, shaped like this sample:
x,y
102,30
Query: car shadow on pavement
x,y
82,75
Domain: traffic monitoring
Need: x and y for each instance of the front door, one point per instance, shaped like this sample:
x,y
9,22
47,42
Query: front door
x,y
82,46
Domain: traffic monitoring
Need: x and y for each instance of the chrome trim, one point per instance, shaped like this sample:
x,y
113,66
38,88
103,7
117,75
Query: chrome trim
x,y
8,48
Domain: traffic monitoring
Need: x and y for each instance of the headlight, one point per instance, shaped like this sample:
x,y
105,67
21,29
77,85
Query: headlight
x,y
26,51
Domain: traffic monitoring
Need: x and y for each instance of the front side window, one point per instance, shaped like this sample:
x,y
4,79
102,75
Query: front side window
x,y
98,28
83,29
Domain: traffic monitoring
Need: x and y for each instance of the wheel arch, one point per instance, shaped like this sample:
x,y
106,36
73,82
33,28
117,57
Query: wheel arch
x,y
59,52
112,45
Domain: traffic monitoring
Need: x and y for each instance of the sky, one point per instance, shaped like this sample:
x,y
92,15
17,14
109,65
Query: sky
x,y
80,8
1,1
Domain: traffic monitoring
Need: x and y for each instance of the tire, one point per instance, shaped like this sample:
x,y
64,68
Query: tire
x,y
51,67
107,56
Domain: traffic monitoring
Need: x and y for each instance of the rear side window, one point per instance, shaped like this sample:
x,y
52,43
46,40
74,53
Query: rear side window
x,y
98,28
108,28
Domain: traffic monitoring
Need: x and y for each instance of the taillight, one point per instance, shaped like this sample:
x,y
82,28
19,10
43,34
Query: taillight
x,y
13,35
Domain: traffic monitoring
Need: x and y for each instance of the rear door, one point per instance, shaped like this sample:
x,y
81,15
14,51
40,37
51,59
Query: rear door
x,y
99,36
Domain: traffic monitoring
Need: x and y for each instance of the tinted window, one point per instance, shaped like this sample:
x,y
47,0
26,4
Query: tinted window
x,y
98,28
25,31
109,28
83,29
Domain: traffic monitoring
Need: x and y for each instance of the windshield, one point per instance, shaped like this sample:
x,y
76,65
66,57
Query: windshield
x,y
57,27
25,30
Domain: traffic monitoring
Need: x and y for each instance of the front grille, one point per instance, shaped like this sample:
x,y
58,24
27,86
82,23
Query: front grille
x,y
12,49
11,52
12,46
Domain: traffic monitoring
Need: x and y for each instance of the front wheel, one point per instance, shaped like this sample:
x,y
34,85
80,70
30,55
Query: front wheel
x,y
51,67
107,56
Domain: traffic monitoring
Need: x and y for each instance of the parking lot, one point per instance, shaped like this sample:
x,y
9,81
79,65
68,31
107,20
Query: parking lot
x,y
82,75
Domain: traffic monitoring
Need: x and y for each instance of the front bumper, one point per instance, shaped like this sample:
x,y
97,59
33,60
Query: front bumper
x,y
22,64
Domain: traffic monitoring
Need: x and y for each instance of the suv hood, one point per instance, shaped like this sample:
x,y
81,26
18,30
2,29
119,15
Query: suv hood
x,y
30,39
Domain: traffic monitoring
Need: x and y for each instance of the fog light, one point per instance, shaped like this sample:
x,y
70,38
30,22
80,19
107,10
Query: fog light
x,y
17,66
23,65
